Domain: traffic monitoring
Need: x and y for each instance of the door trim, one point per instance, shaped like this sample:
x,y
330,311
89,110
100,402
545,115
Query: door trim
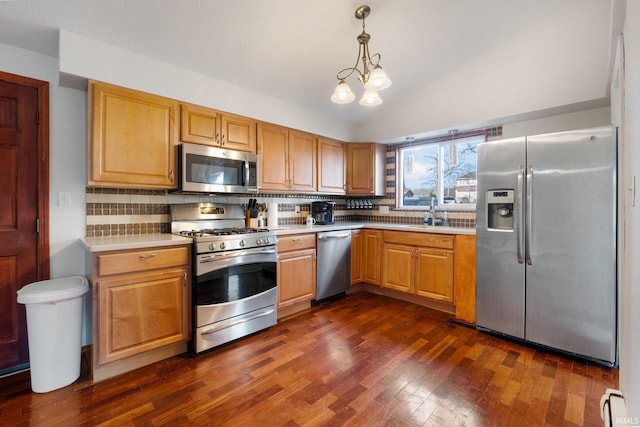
x,y
43,167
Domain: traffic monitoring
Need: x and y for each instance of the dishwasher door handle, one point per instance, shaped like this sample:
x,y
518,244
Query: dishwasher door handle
x,y
333,236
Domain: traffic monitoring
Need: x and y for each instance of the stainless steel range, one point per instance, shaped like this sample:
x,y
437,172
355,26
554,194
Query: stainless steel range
x,y
234,285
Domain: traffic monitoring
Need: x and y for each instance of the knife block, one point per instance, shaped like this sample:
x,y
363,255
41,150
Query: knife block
x,y
250,222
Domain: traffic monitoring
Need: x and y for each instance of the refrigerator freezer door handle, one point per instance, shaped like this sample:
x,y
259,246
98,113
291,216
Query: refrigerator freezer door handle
x,y
528,232
519,212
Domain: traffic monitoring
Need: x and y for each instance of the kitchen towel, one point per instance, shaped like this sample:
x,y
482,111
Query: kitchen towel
x,y
272,215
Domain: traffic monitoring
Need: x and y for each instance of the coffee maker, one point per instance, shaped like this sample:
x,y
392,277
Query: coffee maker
x,y
322,212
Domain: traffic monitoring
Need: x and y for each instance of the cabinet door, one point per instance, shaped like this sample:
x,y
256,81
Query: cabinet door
x,y
238,133
398,267
132,138
302,161
434,274
359,169
273,144
357,249
141,312
296,277
465,278
331,166
371,261
199,125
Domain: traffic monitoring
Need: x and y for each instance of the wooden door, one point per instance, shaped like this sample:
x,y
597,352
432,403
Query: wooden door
x,y
141,312
273,144
398,267
20,208
302,161
360,168
238,133
371,258
133,137
296,277
331,166
199,125
434,274
357,249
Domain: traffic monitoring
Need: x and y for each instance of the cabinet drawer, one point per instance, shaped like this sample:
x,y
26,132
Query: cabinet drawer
x,y
444,241
295,242
141,260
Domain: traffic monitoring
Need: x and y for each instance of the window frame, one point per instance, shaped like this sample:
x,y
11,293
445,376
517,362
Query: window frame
x,y
441,143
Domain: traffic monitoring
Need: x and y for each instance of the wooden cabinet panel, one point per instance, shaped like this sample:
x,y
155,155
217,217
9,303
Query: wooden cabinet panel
x,y
296,242
434,274
134,261
357,256
132,138
371,264
287,159
296,277
331,166
302,161
238,133
365,169
398,271
273,144
465,278
137,313
199,125
431,240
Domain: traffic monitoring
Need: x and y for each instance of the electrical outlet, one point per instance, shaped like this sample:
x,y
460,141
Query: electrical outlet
x,y
384,210
298,209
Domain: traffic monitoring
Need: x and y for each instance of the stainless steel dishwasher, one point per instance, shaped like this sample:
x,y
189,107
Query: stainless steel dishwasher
x,y
333,270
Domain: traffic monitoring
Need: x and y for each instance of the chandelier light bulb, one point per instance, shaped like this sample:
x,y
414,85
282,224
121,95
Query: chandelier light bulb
x,y
370,98
378,79
343,93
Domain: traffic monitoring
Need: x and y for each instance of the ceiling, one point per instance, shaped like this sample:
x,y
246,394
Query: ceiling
x,y
290,49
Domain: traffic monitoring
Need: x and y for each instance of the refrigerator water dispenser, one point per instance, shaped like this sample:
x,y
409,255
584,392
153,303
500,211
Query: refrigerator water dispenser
x,y
500,210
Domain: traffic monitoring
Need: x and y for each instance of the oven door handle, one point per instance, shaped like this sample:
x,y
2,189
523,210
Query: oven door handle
x,y
233,254
239,321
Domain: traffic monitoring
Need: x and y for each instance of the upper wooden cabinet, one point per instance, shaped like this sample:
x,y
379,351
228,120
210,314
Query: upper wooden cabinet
x,y
287,159
206,126
365,169
132,137
331,166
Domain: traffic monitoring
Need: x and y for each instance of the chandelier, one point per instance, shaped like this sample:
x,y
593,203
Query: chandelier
x,y
372,76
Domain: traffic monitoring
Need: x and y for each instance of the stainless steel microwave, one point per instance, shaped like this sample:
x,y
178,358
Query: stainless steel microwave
x,y
205,169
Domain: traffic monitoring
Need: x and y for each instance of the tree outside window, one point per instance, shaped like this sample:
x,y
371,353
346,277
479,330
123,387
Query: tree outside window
x,y
444,172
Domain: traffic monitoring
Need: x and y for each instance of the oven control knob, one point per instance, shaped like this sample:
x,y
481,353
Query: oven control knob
x,y
241,243
266,241
212,247
259,241
222,245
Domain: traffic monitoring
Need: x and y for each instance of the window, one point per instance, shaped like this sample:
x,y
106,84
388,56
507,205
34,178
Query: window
x,y
444,171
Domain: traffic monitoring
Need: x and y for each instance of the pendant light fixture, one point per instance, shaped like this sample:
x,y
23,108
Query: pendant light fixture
x,y
372,76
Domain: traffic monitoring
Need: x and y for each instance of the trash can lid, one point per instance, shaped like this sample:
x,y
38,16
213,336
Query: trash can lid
x,y
54,290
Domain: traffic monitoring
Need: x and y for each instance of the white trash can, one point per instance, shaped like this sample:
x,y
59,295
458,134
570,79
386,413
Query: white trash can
x,y
54,329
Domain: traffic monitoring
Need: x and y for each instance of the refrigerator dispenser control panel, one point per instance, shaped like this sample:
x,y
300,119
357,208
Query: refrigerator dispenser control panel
x,y
500,210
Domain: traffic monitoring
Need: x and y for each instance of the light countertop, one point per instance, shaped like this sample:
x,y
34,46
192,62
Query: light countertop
x,y
137,241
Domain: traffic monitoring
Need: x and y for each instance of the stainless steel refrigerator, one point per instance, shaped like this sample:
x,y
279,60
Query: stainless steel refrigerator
x,y
546,241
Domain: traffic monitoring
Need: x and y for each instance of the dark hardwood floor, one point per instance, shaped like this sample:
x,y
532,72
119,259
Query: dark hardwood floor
x,y
365,360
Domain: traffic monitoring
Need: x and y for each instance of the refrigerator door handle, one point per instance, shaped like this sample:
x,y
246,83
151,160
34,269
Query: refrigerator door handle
x,y
519,213
529,231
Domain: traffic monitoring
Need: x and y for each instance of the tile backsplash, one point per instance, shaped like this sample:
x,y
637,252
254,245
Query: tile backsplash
x,y
117,211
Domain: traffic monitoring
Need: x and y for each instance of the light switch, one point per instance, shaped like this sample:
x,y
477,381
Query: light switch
x,y
64,199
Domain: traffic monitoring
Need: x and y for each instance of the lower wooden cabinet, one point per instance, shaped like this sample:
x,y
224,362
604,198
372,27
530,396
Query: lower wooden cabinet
x,y
296,269
372,243
141,302
357,249
419,263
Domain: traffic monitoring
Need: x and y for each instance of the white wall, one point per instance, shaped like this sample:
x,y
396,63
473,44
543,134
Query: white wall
x,y
557,123
508,80
630,288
